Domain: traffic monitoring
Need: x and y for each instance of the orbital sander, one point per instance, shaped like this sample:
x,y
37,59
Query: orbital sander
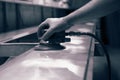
x,y
53,43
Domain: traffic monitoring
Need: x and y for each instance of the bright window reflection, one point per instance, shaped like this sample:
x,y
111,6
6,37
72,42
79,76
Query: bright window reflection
x,y
84,30
76,40
49,63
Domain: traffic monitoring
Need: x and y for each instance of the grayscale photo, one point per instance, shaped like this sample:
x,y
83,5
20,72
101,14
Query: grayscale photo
x,y
59,39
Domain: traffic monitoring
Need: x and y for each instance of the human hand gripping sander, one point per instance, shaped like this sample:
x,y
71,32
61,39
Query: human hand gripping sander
x,y
53,43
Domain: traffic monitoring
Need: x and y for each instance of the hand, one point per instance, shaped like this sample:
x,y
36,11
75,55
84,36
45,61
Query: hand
x,y
53,25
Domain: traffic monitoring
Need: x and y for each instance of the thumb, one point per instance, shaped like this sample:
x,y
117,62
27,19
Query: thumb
x,y
41,28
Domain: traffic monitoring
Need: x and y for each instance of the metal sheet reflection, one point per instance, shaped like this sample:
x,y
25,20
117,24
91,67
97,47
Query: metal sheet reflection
x,y
67,64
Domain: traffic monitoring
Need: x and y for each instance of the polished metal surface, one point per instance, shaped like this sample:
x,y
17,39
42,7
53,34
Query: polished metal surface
x,y
70,63
12,35
14,49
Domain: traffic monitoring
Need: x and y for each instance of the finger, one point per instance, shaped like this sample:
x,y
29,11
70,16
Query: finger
x,y
41,28
43,25
47,35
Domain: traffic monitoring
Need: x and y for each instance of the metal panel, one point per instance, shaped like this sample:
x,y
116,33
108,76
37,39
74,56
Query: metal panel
x,y
70,63
5,37
12,50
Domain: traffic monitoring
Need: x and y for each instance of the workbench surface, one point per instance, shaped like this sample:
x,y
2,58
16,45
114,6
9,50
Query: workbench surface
x,y
12,35
72,63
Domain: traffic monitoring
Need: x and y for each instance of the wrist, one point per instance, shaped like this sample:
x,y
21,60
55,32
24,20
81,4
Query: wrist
x,y
66,21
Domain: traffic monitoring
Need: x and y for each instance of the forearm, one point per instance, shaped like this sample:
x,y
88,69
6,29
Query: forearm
x,y
92,10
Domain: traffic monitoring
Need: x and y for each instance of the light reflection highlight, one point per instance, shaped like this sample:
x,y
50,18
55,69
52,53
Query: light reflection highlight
x,y
84,30
81,47
53,63
76,40
90,23
74,50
